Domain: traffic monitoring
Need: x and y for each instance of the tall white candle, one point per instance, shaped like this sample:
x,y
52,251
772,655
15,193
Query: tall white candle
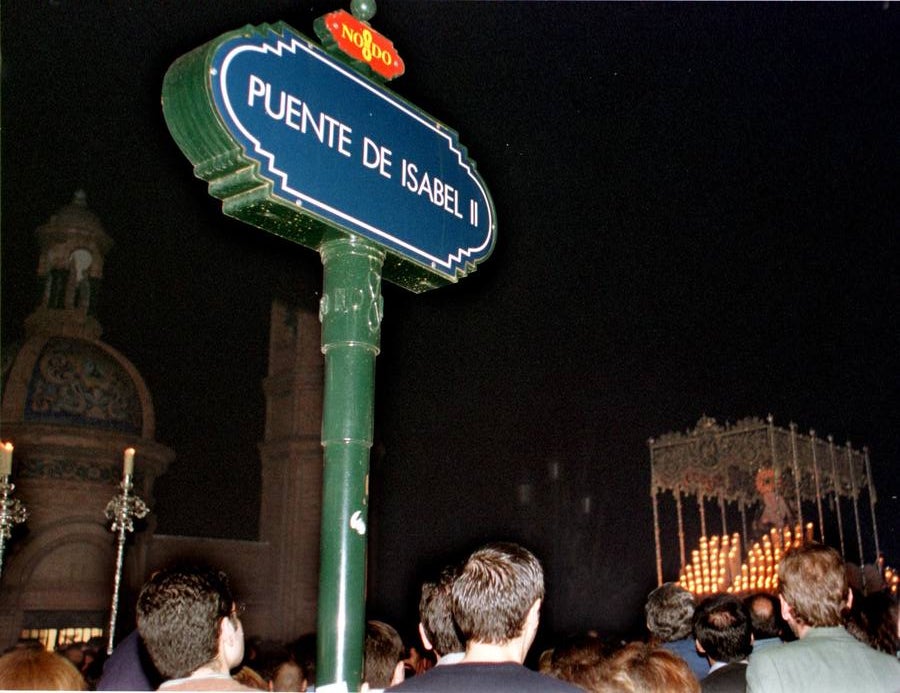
x,y
6,459
129,462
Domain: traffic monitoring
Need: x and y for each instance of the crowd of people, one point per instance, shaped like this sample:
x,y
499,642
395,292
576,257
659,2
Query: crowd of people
x,y
477,622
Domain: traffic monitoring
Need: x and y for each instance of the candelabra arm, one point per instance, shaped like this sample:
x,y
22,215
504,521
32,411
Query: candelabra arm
x,y
12,512
121,510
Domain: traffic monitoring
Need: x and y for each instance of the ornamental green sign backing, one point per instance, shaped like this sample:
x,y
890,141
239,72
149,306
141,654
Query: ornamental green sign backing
x,y
299,144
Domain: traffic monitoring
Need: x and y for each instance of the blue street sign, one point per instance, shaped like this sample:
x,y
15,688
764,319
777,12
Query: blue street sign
x,y
339,147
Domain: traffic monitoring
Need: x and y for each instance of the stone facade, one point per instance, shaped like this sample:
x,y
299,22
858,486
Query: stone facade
x,y
71,404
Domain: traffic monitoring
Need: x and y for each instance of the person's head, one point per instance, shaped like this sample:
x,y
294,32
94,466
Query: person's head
x,y
436,625
303,650
497,593
765,615
268,656
873,620
187,619
643,668
247,676
29,668
288,676
383,665
74,652
722,628
669,610
575,658
813,587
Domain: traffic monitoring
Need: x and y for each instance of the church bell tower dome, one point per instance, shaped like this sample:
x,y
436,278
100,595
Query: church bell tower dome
x,y
71,405
63,374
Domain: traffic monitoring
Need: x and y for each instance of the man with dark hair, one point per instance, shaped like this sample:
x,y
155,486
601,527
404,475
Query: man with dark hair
x,y
496,601
722,632
765,620
189,623
436,626
670,610
303,650
383,665
814,594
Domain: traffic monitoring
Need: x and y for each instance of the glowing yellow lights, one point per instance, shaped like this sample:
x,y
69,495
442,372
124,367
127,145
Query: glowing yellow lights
x,y
716,565
713,565
892,580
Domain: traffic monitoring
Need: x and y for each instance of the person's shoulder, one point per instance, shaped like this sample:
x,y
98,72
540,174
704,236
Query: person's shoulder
x,y
553,684
730,668
435,679
484,676
830,650
211,683
837,639
880,660
731,677
785,650
529,680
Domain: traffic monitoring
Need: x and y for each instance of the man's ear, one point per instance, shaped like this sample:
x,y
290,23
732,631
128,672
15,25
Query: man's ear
x,y
226,630
699,647
228,638
426,643
532,619
849,599
535,611
399,674
785,609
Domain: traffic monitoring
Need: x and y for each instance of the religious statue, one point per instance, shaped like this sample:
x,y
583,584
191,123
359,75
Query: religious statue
x,y
775,511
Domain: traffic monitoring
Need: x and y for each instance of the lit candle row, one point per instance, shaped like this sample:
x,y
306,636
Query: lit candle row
x,y
713,565
760,572
716,565
6,451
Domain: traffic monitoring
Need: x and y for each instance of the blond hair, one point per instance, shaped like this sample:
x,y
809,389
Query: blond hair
x,y
31,668
813,582
642,668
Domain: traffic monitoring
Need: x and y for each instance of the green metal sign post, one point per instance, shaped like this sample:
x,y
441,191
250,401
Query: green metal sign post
x,y
308,144
351,328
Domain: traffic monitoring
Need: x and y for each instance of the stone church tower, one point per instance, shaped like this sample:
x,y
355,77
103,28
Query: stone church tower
x,y
71,404
292,465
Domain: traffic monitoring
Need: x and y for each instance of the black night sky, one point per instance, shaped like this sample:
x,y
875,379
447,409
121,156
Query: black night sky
x,y
697,215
